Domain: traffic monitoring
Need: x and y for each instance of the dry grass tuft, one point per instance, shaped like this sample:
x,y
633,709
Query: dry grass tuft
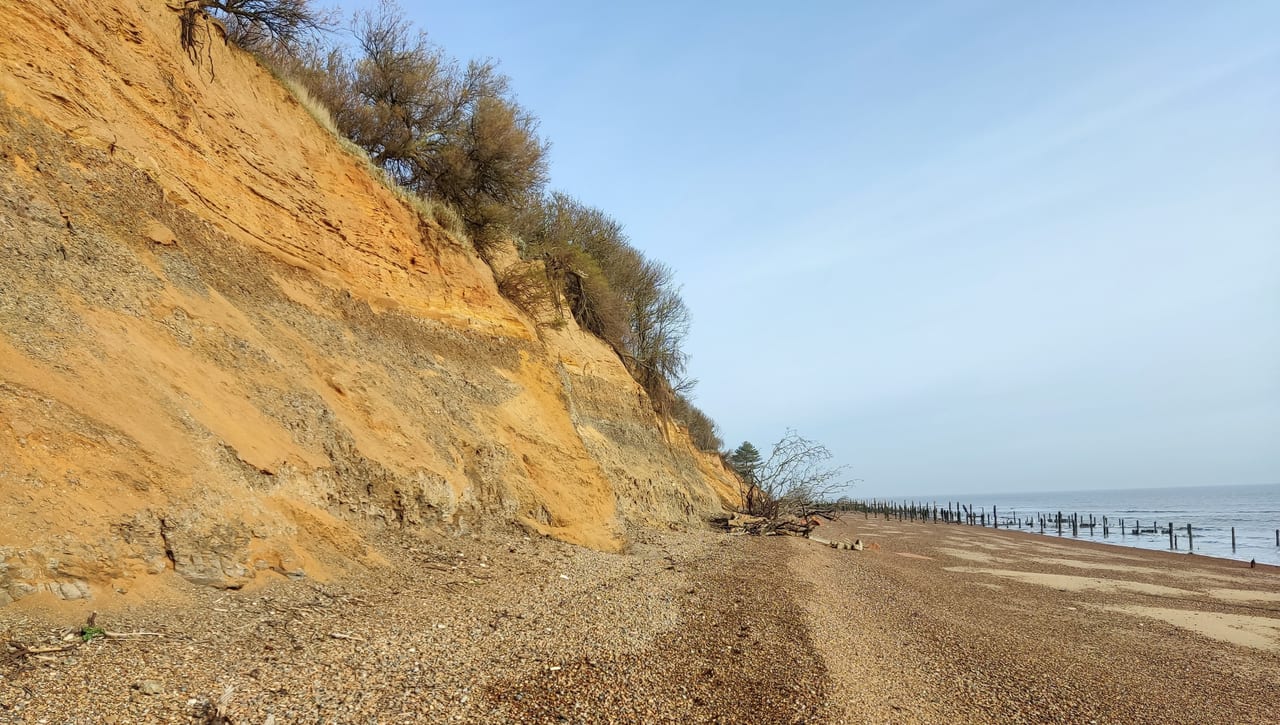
x,y
313,105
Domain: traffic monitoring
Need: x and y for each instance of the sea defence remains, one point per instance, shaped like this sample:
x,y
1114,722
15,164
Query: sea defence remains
x,y
1180,536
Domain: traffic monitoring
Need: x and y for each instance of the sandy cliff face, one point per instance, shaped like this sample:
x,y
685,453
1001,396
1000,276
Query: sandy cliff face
x,y
227,351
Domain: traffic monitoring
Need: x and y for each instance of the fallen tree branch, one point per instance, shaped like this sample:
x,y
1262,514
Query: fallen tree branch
x,y
22,650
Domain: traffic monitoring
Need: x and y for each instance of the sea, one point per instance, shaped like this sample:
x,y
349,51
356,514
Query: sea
x,y
1211,511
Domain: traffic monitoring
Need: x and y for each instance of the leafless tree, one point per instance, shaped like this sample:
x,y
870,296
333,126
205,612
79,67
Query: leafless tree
x,y
794,479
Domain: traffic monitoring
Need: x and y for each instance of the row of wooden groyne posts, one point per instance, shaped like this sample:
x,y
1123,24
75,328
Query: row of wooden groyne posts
x,y
957,513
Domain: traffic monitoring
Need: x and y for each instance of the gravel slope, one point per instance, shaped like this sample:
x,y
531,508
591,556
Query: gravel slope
x,y
459,630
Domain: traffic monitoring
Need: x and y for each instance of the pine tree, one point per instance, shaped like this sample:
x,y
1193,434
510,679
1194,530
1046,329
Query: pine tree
x,y
745,459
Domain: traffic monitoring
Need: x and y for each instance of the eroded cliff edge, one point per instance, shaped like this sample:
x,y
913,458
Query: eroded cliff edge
x,y
228,352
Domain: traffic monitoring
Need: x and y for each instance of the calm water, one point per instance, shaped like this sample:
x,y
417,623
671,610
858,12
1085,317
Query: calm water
x,y
1211,511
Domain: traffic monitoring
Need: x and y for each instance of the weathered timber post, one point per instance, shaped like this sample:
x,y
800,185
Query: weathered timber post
x,y
995,519
1172,543
1190,544
1075,525
1233,539
1059,523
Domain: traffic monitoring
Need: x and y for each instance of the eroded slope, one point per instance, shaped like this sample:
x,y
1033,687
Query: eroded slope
x,y
227,350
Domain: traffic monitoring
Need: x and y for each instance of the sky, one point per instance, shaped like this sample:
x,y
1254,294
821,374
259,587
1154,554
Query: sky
x,y
972,247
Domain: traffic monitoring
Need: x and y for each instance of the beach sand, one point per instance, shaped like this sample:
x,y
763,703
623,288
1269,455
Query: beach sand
x,y
941,624
1007,626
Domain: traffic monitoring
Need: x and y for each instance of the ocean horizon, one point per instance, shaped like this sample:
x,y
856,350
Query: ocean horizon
x,y
1252,509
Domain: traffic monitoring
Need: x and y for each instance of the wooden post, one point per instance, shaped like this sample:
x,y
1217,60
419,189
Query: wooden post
x,y
995,520
1233,539
1059,523
1171,542
1190,545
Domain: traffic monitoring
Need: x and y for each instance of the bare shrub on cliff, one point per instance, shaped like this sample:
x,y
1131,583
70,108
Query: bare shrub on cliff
x,y
613,291
253,24
659,324
491,168
562,232
526,287
703,431
398,92
794,479
441,129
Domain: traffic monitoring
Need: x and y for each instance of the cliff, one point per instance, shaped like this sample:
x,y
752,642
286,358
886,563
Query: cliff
x,y
228,352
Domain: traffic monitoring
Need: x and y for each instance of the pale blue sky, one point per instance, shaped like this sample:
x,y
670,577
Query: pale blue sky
x,y
971,246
